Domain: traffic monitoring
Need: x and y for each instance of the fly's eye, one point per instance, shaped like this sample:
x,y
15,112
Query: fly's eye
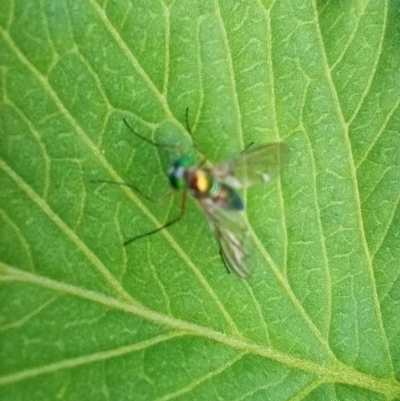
x,y
176,178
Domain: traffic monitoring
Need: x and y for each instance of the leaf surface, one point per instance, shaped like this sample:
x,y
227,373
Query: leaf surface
x,y
83,317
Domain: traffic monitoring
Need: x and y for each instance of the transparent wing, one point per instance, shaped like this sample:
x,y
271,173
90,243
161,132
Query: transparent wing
x,y
255,165
233,235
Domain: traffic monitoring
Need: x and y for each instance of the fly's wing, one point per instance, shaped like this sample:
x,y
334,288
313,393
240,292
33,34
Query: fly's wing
x,y
233,235
255,165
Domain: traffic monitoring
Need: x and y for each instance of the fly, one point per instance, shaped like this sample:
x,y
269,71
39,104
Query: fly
x,y
216,187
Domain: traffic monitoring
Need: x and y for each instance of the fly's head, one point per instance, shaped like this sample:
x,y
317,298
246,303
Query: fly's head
x,y
176,173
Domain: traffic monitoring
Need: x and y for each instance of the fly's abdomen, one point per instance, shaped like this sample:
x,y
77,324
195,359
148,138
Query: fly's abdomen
x,y
227,198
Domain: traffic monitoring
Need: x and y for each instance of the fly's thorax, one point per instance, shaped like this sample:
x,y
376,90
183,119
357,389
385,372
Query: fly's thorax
x,y
177,173
200,182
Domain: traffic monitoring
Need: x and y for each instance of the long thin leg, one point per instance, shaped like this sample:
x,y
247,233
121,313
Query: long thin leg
x,y
136,189
195,145
221,254
168,224
149,141
187,122
247,147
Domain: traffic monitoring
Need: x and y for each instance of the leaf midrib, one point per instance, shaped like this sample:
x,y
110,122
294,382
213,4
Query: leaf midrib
x,y
335,373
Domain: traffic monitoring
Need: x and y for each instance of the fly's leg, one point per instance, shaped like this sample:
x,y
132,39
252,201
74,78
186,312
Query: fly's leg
x,y
187,122
150,142
150,198
166,225
247,148
136,189
221,254
195,145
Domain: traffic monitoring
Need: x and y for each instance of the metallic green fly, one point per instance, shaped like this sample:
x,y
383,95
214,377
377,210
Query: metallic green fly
x,y
215,188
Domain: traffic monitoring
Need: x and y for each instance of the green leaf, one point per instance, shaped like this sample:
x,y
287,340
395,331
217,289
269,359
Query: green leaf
x,y
83,317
